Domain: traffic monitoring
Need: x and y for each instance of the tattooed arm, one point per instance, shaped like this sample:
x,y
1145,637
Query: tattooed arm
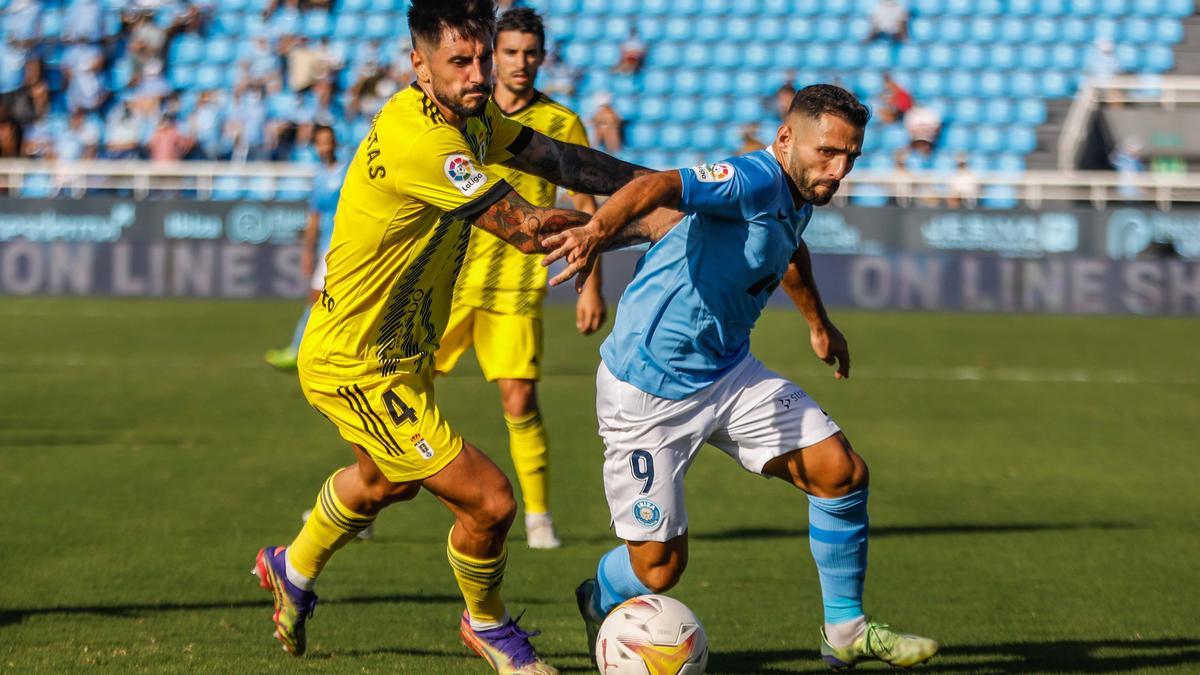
x,y
575,167
516,221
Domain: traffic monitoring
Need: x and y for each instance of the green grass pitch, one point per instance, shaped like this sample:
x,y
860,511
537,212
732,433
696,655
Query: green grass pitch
x,y
1035,498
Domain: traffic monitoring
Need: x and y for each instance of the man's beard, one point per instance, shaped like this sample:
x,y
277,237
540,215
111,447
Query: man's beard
x,y
458,107
809,193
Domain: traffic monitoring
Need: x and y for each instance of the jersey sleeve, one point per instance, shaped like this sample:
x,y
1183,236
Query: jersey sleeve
x,y
733,188
509,137
441,170
577,133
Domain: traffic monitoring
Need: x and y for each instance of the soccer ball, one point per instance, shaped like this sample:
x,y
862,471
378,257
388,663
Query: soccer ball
x,y
651,635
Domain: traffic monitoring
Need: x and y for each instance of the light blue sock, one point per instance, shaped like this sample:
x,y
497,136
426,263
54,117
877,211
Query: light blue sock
x,y
837,535
300,326
617,580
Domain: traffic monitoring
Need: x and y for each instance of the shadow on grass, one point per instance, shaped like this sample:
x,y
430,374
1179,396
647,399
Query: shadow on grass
x,y
1067,656
912,530
12,616
552,657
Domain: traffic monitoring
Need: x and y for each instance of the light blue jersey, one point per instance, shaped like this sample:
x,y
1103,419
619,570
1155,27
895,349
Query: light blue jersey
x,y
327,186
686,317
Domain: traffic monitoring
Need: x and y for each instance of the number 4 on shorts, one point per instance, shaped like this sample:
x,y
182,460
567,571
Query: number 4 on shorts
x,y
398,409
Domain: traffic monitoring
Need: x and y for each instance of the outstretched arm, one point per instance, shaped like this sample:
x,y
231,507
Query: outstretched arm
x,y
827,341
641,211
512,218
575,167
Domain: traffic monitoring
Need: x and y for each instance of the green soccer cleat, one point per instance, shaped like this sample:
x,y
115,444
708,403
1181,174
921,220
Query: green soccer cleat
x,y
281,359
585,595
880,642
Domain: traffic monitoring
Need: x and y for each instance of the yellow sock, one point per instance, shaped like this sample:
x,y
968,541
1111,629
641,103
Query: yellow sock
x,y
479,580
527,442
327,529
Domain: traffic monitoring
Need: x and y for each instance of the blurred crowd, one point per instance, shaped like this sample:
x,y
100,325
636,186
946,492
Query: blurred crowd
x,y
102,88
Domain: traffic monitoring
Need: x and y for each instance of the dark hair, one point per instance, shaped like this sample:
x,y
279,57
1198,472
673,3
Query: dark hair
x,y
820,99
319,128
523,20
470,18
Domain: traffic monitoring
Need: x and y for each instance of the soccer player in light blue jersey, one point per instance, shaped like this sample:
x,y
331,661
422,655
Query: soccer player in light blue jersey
x,y
327,186
677,371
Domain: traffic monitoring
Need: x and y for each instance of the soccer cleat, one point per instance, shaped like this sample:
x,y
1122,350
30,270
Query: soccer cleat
x,y
293,606
585,598
539,531
880,642
365,534
506,648
281,359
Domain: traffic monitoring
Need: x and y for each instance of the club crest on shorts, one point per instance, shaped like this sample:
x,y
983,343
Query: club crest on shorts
x,y
422,446
646,513
714,173
463,174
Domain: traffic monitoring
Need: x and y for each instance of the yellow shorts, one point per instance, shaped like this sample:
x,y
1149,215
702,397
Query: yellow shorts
x,y
395,419
509,347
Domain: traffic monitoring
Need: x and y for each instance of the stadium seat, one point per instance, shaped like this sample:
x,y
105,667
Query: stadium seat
x,y
687,82
1054,85
999,111
1022,7
1013,30
1009,163
1158,59
971,57
747,110
709,29
967,111
929,84
318,24
590,28
673,137
926,7
1034,57
1043,30
984,29
894,137
1021,140
912,57
956,138
921,29
739,30
1002,57
952,30
958,7
1168,30
1076,30
999,197
867,194
1031,111
642,135
653,109
348,26
1064,57
988,139
879,56
718,83
1147,8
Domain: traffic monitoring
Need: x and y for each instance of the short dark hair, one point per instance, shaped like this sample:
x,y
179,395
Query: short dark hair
x,y
523,20
819,99
470,18
322,128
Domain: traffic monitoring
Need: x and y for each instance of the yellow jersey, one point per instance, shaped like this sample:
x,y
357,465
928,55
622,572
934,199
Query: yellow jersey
x,y
400,236
497,277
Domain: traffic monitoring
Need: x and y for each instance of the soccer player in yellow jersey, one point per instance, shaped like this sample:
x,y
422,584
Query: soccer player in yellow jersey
x,y
418,181
498,299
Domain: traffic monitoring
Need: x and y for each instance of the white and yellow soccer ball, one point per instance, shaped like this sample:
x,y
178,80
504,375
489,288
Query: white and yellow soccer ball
x,y
651,635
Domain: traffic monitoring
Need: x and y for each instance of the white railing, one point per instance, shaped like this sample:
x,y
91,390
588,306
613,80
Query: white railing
x,y
1167,91
145,179
141,178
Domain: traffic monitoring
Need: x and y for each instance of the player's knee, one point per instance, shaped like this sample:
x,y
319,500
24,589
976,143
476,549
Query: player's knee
x,y
498,510
517,397
847,475
662,578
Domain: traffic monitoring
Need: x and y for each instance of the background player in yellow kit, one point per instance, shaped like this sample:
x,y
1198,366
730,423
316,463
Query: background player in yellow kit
x,y
417,182
498,299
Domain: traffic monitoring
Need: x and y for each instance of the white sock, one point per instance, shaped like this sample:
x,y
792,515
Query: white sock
x,y
298,580
845,633
532,519
487,625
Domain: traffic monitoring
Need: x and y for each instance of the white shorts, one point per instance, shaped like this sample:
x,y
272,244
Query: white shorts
x,y
751,414
318,276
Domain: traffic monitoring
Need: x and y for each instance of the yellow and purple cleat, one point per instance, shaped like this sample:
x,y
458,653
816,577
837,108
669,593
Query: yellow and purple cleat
x,y
879,642
293,605
506,649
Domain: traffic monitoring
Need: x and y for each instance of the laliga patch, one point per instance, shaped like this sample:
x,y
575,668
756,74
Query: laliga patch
x,y
714,173
646,513
422,446
463,175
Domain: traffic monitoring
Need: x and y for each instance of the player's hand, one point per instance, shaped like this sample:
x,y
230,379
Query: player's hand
x,y
830,346
580,247
590,312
